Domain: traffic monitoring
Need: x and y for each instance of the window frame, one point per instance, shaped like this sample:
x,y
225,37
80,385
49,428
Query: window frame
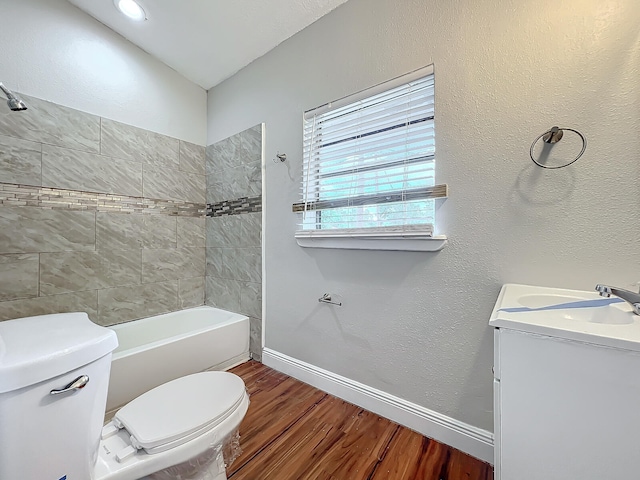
x,y
400,237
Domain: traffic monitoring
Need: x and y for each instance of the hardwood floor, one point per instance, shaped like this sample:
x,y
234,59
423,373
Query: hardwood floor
x,y
293,431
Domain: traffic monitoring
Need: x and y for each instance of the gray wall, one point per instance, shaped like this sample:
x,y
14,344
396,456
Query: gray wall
x,y
97,216
234,228
415,324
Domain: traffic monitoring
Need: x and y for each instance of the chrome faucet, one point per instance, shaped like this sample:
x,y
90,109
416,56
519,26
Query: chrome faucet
x,y
631,298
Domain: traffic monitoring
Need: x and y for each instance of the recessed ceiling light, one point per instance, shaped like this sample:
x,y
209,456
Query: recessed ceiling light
x,y
131,9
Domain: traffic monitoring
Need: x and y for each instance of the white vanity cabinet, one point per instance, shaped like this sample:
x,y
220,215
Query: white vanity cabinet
x,y
565,408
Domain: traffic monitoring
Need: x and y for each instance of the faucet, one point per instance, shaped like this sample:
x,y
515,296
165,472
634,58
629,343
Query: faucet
x,y
631,298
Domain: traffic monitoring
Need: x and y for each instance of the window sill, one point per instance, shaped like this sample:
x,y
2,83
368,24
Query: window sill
x,y
410,242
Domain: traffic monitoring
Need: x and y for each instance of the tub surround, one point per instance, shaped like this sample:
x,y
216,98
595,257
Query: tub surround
x,y
97,216
234,228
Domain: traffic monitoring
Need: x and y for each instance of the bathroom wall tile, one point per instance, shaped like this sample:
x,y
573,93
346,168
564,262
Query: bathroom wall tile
x,y
191,231
219,191
122,231
190,292
215,262
241,149
251,299
125,141
20,161
224,231
172,264
251,228
243,264
18,276
255,339
192,158
77,271
76,170
53,124
118,305
174,185
70,302
223,293
33,230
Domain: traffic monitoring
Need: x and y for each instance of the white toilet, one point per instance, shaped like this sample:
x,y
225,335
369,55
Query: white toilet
x,y
54,375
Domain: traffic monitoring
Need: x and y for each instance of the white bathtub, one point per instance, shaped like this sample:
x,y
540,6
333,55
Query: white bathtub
x,y
157,349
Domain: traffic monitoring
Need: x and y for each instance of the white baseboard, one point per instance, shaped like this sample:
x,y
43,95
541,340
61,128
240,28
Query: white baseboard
x,y
467,438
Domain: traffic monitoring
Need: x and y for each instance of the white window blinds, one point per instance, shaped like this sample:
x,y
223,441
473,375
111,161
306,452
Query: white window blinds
x,y
369,161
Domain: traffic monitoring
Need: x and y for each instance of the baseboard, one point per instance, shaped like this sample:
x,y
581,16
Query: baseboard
x,y
467,438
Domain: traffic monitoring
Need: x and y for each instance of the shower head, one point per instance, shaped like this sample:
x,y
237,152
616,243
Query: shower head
x,y
15,103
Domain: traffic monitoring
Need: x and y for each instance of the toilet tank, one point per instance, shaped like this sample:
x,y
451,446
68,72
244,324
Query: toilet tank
x,y
45,435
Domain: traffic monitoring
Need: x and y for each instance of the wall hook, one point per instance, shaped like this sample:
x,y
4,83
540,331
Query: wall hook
x,y
326,298
553,136
280,157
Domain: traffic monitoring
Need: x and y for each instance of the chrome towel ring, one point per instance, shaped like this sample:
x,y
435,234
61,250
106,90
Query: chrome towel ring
x,y
553,136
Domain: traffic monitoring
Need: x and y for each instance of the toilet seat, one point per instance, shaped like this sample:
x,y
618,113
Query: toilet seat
x,y
180,410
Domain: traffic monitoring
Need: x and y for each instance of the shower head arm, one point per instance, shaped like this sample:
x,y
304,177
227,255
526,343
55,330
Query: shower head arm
x,y
15,103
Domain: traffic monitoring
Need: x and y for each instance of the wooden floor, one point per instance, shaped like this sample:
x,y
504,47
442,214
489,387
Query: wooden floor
x,y
293,431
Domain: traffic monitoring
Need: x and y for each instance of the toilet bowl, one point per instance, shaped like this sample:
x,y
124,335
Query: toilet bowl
x,y
54,372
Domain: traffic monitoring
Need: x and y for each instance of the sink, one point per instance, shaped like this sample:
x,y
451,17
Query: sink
x,y
571,314
609,311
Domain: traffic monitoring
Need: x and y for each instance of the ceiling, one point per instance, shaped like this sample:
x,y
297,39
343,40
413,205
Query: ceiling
x,y
208,41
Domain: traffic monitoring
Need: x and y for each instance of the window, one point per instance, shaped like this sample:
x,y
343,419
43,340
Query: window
x,y
368,167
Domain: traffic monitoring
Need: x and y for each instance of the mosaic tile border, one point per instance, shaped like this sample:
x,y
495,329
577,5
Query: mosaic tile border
x,y
60,199
235,207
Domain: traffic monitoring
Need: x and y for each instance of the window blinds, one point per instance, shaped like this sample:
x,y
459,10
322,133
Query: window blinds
x,y
369,160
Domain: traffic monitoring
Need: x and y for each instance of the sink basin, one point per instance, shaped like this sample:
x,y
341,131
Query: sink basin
x,y
571,314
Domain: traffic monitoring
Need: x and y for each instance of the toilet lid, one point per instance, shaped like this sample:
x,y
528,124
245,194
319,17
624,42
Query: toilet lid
x,y
181,409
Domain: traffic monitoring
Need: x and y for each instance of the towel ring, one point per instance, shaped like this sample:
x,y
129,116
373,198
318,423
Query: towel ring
x,y
552,136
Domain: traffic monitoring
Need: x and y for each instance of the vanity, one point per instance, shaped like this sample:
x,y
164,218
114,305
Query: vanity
x,y
566,385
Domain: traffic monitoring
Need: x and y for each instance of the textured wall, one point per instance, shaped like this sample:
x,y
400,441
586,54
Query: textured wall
x,y
57,52
97,216
415,324
234,228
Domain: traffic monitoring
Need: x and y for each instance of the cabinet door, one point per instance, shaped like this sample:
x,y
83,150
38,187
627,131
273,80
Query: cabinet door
x,y
568,410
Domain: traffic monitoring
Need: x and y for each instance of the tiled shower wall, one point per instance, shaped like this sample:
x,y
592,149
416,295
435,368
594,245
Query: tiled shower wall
x,y
97,216
234,228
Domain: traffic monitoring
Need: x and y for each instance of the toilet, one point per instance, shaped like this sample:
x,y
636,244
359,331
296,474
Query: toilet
x,y
54,376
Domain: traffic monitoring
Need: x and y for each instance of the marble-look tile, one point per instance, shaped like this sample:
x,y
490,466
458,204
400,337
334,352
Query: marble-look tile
x,y
251,228
191,232
251,299
171,184
192,158
235,182
70,302
190,292
122,231
20,161
118,305
223,293
52,124
125,141
215,262
33,230
217,191
78,271
235,230
76,170
241,149
18,276
244,264
255,339
172,264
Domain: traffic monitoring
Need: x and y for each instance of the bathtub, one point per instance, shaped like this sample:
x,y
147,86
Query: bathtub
x,y
157,349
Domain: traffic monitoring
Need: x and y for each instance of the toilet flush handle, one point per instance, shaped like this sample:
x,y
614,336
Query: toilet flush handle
x,y
77,384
